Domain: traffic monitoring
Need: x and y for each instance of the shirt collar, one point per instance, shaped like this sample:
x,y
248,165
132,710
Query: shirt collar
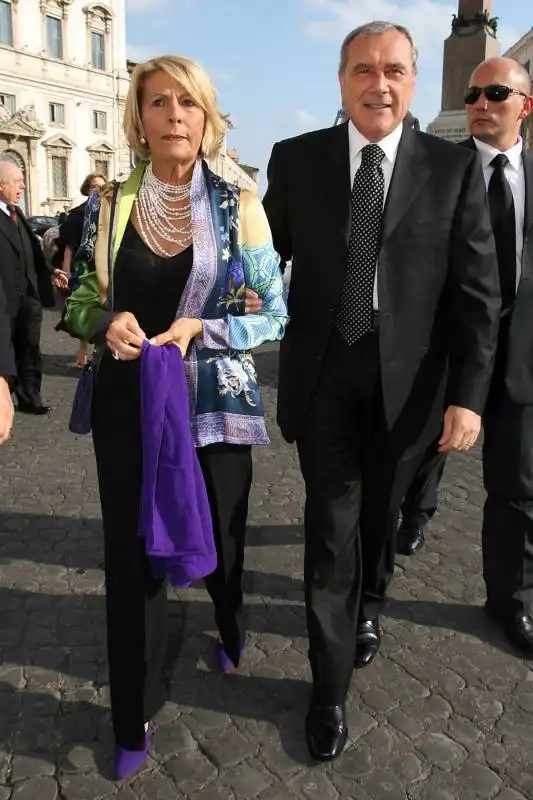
x,y
389,144
3,206
488,152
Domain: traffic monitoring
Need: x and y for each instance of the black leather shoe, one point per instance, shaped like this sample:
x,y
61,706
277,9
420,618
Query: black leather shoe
x,y
30,408
325,731
518,628
368,642
410,540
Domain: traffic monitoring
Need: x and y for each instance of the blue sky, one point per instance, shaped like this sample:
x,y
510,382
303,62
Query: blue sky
x,y
274,62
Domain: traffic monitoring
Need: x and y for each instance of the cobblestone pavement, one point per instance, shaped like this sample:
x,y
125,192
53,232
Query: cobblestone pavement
x,y
445,712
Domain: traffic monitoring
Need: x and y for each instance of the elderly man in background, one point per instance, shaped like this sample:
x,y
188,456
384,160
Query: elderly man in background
x,y
27,285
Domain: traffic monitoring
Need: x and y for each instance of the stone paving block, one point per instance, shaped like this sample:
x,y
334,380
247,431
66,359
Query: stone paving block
x,y
228,748
191,771
313,785
246,780
36,789
441,751
478,781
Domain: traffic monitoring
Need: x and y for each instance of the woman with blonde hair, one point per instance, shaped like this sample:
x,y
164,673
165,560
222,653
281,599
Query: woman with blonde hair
x,y
174,251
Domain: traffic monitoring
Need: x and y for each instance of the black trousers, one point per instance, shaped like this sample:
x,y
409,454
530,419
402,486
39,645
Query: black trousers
x,y
507,533
26,322
136,603
420,501
350,471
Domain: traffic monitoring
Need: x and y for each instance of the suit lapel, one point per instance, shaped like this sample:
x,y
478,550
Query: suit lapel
x,y
336,180
528,174
409,175
9,229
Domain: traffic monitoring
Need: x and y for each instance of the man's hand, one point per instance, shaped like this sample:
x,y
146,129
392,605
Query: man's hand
x,y
461,429
60,279
180,333
7,412
124,337
253,303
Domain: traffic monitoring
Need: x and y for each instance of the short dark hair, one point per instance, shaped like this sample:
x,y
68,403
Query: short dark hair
x,y
85,188
375,29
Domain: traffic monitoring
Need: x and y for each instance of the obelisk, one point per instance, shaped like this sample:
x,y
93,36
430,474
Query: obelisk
x,y
472,40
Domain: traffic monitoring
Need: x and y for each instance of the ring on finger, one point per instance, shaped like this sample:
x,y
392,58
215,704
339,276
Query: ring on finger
x,y
116,355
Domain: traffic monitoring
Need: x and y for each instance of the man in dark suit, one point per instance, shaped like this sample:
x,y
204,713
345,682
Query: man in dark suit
x,y
369,352
494,120
7,370
497,102
27,285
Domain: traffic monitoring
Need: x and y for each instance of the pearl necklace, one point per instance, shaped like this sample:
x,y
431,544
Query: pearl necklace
x,y
159,218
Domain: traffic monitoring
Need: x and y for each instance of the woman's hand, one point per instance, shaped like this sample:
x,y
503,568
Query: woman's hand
x,y
180,333
252,303
7,411
124,337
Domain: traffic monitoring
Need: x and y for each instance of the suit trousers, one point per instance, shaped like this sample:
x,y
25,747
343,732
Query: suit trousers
x,y
420,501
26,319
507,533
136,602
349,470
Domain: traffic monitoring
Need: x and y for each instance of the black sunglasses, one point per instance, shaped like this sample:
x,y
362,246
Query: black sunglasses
x,y
496,93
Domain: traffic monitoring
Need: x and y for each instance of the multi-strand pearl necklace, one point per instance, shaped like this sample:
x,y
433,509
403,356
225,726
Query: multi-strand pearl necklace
x,y
159,218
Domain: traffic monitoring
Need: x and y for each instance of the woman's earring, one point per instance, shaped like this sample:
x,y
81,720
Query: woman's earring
x,y
143,140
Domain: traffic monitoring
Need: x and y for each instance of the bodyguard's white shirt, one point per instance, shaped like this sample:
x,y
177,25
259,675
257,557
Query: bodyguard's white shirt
x,y
389,145
514,172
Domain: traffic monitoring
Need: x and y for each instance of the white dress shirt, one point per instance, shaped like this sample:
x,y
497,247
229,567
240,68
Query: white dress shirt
x,y
4,208
389,145
514,172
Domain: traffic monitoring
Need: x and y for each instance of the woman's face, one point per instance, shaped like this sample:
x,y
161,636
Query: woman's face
x,y
97,184
172,123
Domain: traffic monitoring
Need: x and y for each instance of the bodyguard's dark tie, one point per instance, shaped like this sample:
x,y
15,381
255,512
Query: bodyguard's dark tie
x,y
355,311
502,215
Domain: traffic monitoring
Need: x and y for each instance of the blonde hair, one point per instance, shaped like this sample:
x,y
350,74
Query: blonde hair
x,y
195,81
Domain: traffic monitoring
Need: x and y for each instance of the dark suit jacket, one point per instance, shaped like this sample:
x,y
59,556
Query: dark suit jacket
x,y
519,362
7,357
11,257
439,296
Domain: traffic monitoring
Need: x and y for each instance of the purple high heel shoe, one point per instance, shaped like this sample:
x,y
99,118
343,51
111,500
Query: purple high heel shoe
x,y
224,662
128,761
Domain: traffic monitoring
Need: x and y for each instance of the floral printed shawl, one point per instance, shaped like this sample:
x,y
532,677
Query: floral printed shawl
x,y
232,251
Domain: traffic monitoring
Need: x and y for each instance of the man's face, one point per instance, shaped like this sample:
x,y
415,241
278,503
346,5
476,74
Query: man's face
x,y
12,185
378,82
497,123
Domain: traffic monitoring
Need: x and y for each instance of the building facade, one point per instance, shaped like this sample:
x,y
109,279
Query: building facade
x,y
63,86
522,51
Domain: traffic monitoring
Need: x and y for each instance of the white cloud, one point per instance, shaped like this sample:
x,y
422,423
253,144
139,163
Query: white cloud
x,y
138,6
141,52
427,20
307,120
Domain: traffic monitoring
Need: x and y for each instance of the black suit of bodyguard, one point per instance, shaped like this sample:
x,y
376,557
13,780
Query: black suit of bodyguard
x,y
27,287
355,408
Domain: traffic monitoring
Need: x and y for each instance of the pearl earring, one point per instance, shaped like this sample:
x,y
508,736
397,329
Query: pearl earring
x,y
143,140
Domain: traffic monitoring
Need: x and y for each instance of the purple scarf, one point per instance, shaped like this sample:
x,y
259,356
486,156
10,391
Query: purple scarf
x,y
174,519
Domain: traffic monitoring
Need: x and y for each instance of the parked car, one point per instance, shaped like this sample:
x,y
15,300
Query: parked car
x,y
41,224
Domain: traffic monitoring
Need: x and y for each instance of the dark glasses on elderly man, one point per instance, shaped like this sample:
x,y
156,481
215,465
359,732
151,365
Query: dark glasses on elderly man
x,y
496,93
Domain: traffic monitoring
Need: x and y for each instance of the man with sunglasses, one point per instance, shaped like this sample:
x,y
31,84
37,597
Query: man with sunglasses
x,y
497,101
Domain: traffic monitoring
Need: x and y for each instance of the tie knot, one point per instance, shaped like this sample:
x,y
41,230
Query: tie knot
x,y
500,161
372,155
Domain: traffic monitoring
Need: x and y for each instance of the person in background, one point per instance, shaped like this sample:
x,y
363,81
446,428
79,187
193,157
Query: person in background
x,y
497,102
70,233
394,295
185,246
27,285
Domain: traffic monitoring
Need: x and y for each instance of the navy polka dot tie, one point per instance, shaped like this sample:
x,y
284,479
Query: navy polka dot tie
x,y
355,311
